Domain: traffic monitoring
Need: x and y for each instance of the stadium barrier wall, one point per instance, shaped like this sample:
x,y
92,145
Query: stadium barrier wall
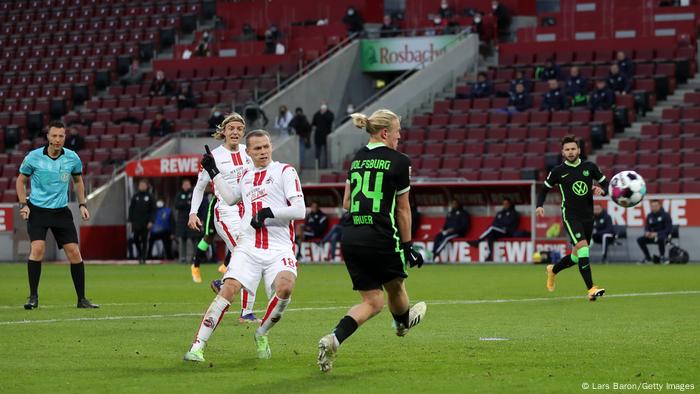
x,y
404,99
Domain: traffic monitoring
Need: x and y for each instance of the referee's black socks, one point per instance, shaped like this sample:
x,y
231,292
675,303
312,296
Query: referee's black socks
x,y
77,272
346,326
34,273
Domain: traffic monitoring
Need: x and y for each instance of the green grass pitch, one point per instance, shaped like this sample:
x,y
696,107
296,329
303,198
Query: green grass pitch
x,y
554,342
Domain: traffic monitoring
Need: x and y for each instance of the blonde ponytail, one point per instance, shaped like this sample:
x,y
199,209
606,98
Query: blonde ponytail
x,y
359,120
379,120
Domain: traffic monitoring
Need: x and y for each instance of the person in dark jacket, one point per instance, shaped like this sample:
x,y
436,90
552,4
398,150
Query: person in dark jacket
x,y
185,97
302,128
315,225
657,230
619,83
503,20
626,65
353,21
576,88
550,71
322,124
482,87
75,141
160,127
159,85
183,233
388,28
602,98
520,100
504,225
456,225
141,213
603,230
522,79
162,230
554,99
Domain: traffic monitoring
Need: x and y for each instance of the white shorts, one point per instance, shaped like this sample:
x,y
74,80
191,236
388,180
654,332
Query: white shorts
x,y
227,223
249,265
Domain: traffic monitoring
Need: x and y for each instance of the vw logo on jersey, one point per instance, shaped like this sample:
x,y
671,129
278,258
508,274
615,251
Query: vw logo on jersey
x,y
580,188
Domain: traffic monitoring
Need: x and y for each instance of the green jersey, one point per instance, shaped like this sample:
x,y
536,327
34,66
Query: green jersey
x,y
377,175
575,184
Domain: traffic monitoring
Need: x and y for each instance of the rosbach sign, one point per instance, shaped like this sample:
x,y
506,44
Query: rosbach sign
x,y
402,53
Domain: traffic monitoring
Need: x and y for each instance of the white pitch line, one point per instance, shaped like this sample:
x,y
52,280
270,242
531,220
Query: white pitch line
x,y
326,308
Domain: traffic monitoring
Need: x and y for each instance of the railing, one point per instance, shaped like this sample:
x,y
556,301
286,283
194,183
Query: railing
x,y
405,75
305,69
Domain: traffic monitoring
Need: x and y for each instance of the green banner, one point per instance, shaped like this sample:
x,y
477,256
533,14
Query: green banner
x,y
402,53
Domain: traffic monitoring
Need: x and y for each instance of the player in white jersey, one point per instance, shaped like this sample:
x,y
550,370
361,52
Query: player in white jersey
x,y
272,199
232,161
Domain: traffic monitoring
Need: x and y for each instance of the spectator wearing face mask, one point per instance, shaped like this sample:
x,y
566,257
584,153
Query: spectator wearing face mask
x,y
282,120
159,86
272,36
322,125
353,21
215,118
502,16
446,12
302,128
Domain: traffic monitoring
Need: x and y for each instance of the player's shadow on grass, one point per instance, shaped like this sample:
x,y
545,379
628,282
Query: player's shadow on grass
x,y
321,382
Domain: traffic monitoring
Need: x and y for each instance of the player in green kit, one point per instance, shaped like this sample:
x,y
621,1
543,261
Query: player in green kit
x,y
575,179
376,237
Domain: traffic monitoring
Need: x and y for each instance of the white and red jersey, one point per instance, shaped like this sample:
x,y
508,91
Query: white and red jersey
x,y
231,165
274,187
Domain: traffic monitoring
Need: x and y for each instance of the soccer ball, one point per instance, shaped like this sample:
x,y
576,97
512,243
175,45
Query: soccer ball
x,y
627,189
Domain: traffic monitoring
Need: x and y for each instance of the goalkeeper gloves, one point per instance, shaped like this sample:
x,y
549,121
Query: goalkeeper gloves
x,y
258,219
414,258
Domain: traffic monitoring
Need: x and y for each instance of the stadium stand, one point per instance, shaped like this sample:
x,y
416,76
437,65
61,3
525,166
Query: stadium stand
x,y
63,59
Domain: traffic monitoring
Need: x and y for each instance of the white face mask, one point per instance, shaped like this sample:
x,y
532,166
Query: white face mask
x,y
477,20
351,12
443,6
350,109
160,204
324,107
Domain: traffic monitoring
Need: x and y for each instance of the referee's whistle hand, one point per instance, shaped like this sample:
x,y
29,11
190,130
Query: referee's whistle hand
x,y
84,213
24,213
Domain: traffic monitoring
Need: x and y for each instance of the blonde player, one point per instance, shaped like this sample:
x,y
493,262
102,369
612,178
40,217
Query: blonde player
x,y
232,161
272,197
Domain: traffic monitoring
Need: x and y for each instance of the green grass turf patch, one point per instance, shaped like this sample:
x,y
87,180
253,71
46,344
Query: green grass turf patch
x,y
556,342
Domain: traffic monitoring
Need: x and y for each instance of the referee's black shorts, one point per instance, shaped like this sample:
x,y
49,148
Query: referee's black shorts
x,y
370,268
59,220
578,230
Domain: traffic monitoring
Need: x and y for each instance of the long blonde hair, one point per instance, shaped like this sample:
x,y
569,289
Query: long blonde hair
x,y
232,117
380,119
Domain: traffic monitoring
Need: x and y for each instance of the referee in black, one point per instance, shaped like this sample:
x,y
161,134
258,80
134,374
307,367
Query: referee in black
x,y
575,179
50,169
377,233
